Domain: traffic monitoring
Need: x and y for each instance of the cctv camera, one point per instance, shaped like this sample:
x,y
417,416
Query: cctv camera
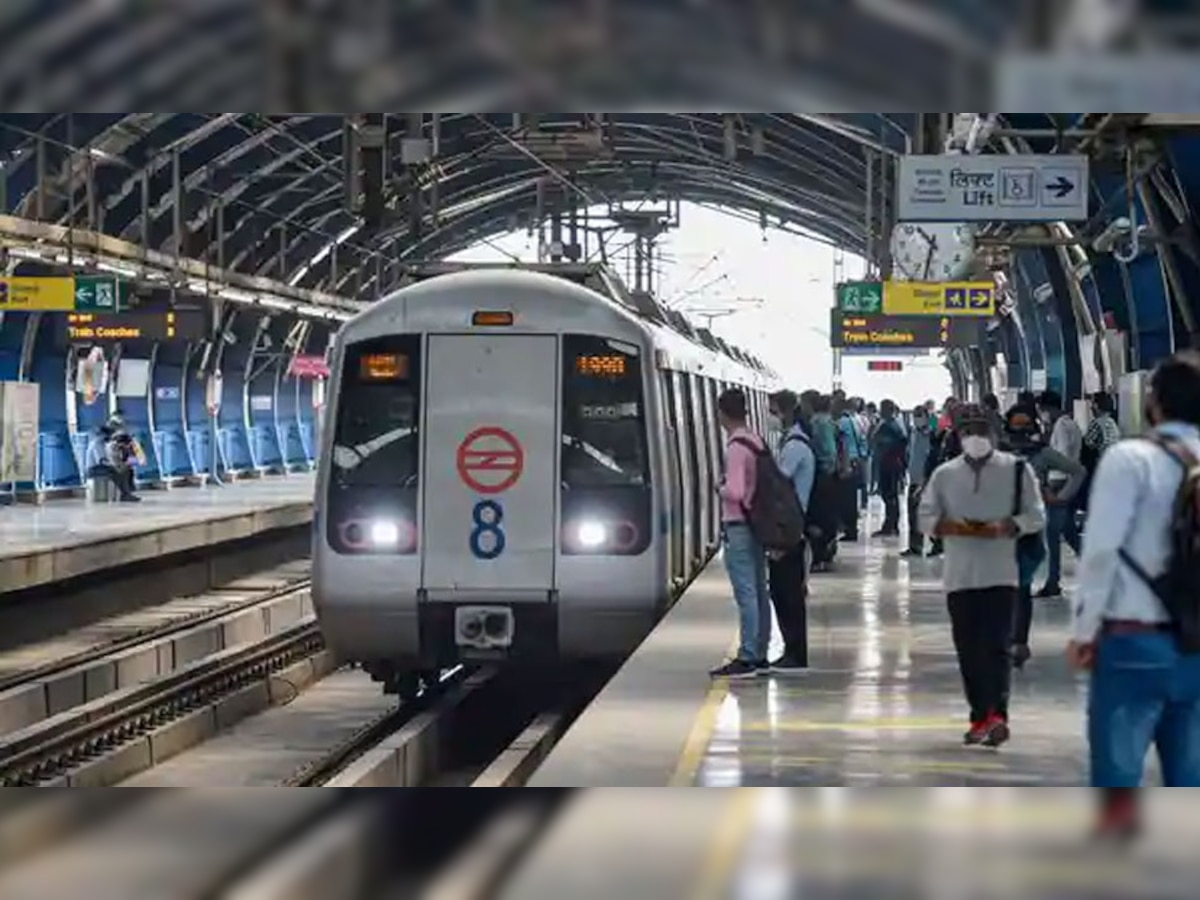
x,y
1107,240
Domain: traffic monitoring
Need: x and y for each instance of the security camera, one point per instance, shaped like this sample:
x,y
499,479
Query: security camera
x,y
1119,230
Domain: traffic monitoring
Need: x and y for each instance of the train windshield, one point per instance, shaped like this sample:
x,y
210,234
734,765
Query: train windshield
x,y
377,433
604,420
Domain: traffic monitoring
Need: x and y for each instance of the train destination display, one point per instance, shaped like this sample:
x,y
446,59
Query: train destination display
x,y
143,325
901,332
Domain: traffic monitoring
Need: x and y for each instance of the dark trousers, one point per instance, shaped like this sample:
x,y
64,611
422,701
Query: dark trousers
x,y
789,595
916,540
122,478
848,487
889,489
981,621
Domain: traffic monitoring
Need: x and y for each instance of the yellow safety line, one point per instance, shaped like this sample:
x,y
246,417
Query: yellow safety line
x,y
727,845
701,734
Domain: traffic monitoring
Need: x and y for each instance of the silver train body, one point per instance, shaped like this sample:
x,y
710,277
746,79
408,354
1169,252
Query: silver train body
x,y
514,467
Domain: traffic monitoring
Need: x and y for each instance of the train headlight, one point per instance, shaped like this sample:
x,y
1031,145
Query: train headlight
x,y
591,535
384,534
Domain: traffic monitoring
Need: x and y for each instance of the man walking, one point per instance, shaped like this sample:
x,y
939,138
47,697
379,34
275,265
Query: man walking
x,y
1136,613
979,503
920,445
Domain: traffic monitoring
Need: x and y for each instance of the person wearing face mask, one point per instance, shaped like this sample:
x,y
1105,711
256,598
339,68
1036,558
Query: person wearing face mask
x,y
979,504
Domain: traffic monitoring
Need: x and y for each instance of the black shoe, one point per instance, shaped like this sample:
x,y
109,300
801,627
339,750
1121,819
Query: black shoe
x,y
849,537
1020,655
1049,592
131,498
910,553
737,669
935,552
998,733
785,665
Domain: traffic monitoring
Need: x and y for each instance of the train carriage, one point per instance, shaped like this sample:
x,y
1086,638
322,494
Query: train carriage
x,y
515,468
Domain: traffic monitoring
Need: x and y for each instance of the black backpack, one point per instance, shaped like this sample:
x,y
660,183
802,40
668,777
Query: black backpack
x,y
1179,586
774,515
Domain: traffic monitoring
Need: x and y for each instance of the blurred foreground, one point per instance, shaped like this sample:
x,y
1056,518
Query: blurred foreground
x,y
632,844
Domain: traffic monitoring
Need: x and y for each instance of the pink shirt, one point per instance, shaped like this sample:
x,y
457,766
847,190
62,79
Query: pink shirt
x,y
738,488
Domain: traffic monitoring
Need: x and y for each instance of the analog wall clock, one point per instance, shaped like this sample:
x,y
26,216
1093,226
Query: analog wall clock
x,y
932,251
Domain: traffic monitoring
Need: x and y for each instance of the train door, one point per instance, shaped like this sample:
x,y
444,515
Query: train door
x,y
688,464
667,386
491,460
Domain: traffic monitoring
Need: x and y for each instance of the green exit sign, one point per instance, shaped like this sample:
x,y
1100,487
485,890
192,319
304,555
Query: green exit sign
x,y
864,297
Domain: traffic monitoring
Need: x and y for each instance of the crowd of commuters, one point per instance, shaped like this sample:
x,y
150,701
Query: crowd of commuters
x,y
996,494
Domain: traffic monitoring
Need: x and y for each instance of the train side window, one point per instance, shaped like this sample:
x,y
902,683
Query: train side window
x,y
374,466
604,420
376,438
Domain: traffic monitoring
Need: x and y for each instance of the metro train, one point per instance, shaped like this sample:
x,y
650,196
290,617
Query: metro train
x,y
515,469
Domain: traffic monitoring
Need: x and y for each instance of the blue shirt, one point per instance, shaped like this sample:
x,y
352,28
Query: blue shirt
x,y
798,462
920,445
854,442
1130,508
824,441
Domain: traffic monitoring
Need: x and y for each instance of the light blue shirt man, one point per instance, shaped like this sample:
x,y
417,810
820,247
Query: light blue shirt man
x,y
1131,509
798,462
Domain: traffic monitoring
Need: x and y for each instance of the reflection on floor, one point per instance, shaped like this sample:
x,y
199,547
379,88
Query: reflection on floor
x,y
883,702
953,843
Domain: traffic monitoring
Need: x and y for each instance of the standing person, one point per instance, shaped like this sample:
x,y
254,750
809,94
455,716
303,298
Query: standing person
x,y
946,446
824,434
969,502
991,407
851,449
745,558
788,572
1102,432
1135,625
889,450
920,445
1061,527
1031,550
868,422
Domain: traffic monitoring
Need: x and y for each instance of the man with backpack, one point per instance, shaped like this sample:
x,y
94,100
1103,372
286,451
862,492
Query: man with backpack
x,y
759,515
1136,624
788,571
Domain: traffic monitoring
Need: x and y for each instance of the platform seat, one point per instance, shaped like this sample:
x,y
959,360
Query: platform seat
x,y
79,443
235,452
292,447
307,440
174,455
149,474
264,449
57,467
200,446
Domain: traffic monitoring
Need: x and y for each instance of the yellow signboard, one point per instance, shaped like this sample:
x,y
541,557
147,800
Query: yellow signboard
x,y
25,294
944,298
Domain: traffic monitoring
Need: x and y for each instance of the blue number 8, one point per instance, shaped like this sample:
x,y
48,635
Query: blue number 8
x,y
487,516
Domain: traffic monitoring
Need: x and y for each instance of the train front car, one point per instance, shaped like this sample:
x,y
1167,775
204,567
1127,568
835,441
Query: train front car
x,y
487,481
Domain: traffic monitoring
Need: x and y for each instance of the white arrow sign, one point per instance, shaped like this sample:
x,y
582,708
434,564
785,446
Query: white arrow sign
x,y
992,188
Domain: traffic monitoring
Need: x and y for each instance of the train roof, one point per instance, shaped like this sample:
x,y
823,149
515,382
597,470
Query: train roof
x,y
603,280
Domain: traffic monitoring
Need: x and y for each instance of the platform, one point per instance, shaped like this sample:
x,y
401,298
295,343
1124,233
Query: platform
x,y
777,844
882,704
44,544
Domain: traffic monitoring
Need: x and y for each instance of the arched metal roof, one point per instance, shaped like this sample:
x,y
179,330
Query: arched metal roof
x,y
278,180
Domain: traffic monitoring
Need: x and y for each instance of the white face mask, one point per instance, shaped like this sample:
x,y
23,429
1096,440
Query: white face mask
x,y
976,447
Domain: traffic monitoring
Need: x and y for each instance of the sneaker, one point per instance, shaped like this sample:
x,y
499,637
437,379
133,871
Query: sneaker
x,y
785,665
976,734
997,732
737,669
1120,819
